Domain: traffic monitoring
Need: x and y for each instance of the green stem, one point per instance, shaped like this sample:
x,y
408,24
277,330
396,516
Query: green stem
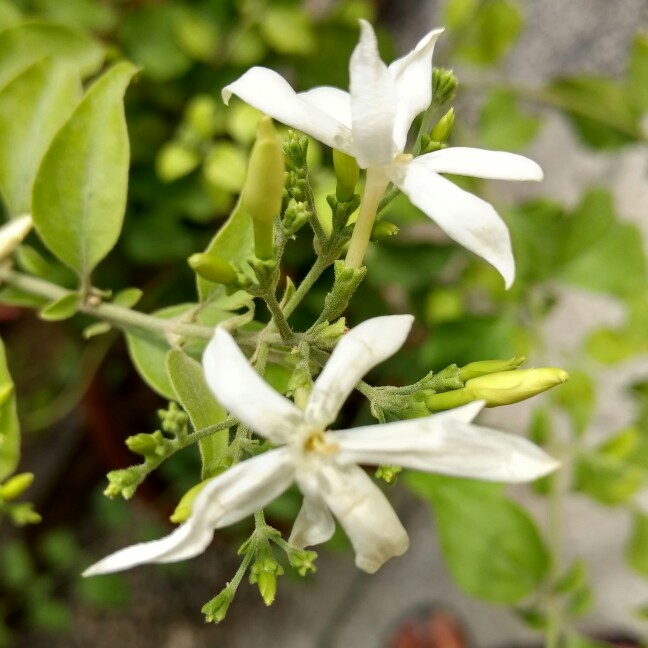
x,y
375,185
194,437
118,316
278,316
304,287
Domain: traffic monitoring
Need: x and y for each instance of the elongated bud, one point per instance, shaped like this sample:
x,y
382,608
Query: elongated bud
x,y
485,367
212,267
13,233
447,400
185,505
347,173
15,486
263,189
383,230
443,128
264,573
504,388
444,85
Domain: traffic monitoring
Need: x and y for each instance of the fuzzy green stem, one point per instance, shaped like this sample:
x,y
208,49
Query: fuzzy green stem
x,y
375,185
304,287
278,316
118,316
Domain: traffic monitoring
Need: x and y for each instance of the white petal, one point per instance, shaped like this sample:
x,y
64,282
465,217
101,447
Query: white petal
x,y
361,349
314,524
243,393
446,444
228,498
271,93
413,76
373,102
334,102
495,165
365,514
467,219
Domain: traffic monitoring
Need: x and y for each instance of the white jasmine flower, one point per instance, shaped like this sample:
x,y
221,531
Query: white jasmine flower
x,y
371,124
324,464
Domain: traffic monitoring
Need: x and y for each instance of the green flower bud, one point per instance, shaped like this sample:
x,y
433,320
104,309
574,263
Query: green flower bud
x,y
485,367
185,505
388,473
444,85
262,193
440,133
301,560
213,268
507,387
267,584
15,486
142,444
383,230
216,609
347,173
447,400
23,513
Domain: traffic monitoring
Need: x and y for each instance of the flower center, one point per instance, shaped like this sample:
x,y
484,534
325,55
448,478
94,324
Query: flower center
x,y
317,442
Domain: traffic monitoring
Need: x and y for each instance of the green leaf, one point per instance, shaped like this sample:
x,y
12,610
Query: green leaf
x,y
288,30
128,297
491,546
503,126
598,108
188,381
9,16
44,96
80,191
233,242
61,309
489,33
9,426
148,351
637,79
637,549
615,265
24,44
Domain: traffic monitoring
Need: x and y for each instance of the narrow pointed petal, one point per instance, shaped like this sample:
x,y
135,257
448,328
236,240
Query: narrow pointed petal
x,y
413,76
270,93
467,219
243,393
334,102
366,515
373,102
228,498
361,349
448,445
314,524
495,165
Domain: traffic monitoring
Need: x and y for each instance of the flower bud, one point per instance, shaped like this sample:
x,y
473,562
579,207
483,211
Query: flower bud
x,y
347,172
216,609
444,85
13,233
383,230
23,514
185,505
142,444
507,387
440,133
262,193
175,161
485,367
213,268
447,400
15,486
264,573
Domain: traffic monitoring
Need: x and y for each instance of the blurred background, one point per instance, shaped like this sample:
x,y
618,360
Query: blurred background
x,y
566,83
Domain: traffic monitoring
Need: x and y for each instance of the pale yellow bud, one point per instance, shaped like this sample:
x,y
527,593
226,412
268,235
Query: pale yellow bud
x,y
13,233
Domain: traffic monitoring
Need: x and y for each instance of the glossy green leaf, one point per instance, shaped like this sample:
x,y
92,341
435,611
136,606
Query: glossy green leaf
x,y
80,191
44,96
128,297
598,108
188,381
490,544
9,426
503,126
233,241
27,43
62,308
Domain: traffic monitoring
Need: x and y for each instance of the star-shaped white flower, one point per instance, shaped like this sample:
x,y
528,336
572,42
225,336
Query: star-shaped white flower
x,y
371,124
324,464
